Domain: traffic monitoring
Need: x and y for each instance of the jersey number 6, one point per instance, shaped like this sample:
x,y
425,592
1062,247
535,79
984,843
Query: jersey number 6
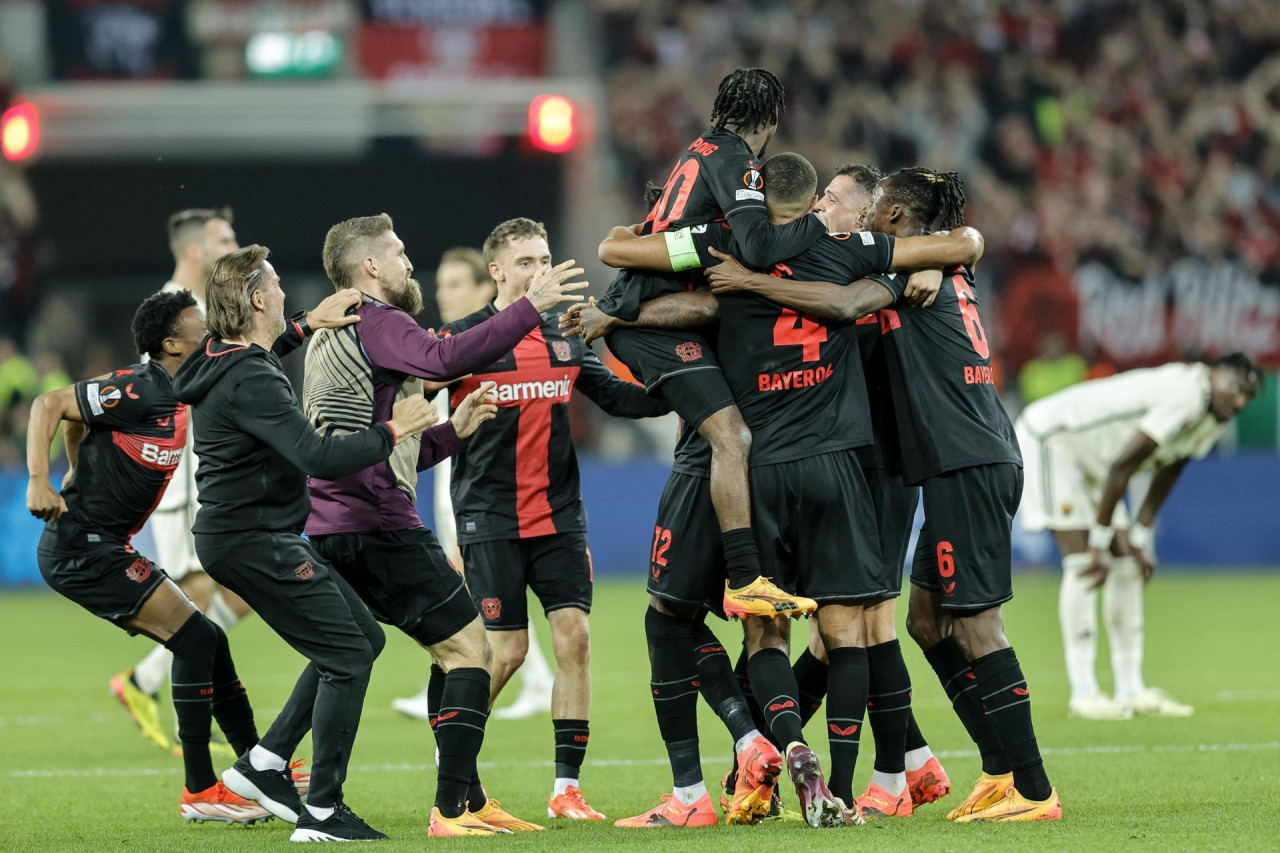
x,y
969,311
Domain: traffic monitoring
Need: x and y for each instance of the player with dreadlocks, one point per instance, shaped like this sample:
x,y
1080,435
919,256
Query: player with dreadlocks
x,y
970,473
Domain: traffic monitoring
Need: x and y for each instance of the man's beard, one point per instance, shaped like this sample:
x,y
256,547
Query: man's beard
x,y
408,297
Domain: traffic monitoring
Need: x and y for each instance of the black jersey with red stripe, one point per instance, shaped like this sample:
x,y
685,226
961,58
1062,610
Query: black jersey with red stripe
x,y
137,433
947,409
717,176
517,475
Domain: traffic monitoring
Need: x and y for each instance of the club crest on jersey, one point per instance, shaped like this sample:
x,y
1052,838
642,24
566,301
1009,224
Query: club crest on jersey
x,y
109,396
562,350
491,608
306,571
139,570
689,351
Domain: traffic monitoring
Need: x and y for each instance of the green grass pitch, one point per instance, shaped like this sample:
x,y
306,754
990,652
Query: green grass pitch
x,y
76,775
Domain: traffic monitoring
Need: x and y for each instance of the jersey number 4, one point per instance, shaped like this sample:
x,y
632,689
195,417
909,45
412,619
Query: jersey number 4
x,y
795,329
969,311
675,195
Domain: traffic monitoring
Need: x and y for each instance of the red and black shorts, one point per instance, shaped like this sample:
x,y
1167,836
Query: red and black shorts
x,y
680,367
106,577
817,530
965,548
556,567
404,578
686,560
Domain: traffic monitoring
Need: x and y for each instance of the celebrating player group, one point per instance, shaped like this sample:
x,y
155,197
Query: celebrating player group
x,y
827,359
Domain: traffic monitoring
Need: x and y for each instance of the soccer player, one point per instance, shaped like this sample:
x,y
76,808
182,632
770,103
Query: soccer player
x,y
365,524
125,435
1082,446
970,476
833,561
256,451
717,176
197,238
463,286
521,523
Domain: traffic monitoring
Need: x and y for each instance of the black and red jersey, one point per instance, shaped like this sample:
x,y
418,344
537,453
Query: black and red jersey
x,y
875,368
517,476
137,433
718,176
947,409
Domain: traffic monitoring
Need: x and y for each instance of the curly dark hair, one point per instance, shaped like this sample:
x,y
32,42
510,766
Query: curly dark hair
x,y
1244,363
157,319
936,199
747,99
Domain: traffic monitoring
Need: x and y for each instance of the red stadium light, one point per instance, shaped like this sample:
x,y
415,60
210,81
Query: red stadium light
x,y
553,123
19,132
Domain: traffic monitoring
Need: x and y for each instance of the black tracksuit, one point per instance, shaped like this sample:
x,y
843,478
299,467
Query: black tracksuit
x,y
256,451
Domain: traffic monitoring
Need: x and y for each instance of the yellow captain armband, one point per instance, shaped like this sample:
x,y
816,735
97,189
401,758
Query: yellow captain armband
x,y
681,251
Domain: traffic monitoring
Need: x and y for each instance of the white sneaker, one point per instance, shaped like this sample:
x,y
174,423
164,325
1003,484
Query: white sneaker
x,y
1155,702
1099,707
530,703
413,706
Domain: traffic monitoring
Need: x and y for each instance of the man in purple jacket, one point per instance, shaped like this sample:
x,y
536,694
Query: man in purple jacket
x,y
366,524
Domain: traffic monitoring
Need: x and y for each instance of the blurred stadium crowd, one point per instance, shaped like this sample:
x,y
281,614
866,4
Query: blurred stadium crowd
x,y
1112,151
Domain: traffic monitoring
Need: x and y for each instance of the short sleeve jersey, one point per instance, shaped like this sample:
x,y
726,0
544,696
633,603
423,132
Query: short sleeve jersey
x,y
946,405
797,380
137,433
884,453
717,175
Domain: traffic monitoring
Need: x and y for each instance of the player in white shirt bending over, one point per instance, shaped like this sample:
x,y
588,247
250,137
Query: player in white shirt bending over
x,y
463,286
197,238
1081,447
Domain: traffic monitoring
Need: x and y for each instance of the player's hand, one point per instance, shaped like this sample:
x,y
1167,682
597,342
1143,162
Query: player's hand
x,y
588,321
551,286
476,408
43,502
1147,563
1097,570
331,313
922,288
411,416
728,276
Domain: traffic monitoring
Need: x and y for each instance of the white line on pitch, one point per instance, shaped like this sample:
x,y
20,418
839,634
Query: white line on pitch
x,y
1135,749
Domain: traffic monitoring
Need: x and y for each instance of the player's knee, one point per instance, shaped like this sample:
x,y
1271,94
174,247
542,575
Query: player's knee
x,y
923,628
196,637
377,639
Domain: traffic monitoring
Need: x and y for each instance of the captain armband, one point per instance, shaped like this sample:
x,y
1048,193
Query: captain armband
x,y
681,250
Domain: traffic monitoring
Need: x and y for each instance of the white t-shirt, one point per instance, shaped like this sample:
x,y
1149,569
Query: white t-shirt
x,y
446,529
1095,421
181,493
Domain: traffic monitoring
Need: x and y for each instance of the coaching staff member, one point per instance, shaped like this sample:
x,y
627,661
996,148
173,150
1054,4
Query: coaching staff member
x,y
256,450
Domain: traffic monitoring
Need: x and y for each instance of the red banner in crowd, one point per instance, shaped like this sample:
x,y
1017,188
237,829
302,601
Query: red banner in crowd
x,y
452,52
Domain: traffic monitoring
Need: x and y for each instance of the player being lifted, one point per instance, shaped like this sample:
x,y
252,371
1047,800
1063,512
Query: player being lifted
x,y
717,176
971,478
809,492
125,434
1083,445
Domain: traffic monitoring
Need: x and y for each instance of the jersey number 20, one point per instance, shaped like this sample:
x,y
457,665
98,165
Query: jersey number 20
x,y
675,195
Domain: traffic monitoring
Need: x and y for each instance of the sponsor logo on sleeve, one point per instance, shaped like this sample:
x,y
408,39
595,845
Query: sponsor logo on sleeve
x,y
748,195
868,239
95,400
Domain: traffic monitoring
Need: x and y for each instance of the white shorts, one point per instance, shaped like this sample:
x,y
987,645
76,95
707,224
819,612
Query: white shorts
x,y
1056,494
175,545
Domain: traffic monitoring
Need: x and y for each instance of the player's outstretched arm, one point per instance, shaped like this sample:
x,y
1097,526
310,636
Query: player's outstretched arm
x,y
616,396
624,249
944,249
761,243
48,412
1140,447
673,311
333,312
820,299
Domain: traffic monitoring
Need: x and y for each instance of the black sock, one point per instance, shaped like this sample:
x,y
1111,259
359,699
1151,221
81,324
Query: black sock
x,y
811,680
915,738
889,705
192,682
718,685
674,686
741,557
960,685
846,704
743,674
463,711
230,701
571,746
1007,702
435,695
774,685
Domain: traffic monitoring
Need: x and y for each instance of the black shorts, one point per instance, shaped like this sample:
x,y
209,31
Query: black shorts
x,y
686,561
895,506
965,552
816,527
405,579
678,366
109,579
556,567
